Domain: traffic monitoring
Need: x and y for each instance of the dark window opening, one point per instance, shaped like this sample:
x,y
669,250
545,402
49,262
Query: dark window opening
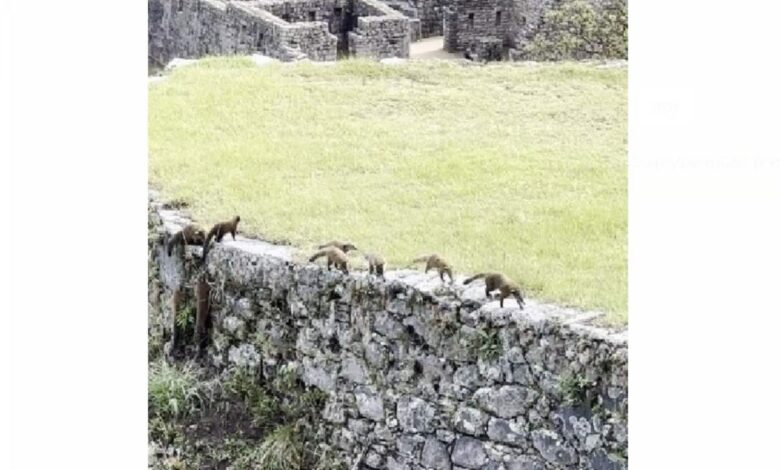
x,y
312,16
260,40
181,5
471,20
337,11
286,17
498,18
243,29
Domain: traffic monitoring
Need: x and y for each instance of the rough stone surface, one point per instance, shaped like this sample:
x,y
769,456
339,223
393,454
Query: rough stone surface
x,y
435,455
403,387
414,414
506,401
370,406
470,421
553,448
469,453
508,432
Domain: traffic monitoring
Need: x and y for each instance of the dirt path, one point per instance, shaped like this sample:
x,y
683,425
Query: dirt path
x,y
431,48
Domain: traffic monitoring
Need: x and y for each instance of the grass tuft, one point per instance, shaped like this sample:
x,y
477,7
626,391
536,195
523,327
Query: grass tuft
x,y
173,391
281,450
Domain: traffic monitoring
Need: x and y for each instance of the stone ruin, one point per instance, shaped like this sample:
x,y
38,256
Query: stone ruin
x,y
323,30
320,30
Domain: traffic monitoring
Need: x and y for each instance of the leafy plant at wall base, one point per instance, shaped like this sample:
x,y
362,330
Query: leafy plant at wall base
x,y
185,318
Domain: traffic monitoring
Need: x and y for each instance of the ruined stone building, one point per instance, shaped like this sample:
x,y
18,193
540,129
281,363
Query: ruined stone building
x,y
323,30
320,30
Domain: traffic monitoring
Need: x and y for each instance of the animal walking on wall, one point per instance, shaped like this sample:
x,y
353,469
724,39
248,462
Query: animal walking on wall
x,y
435,262
498,281
220,230
334,256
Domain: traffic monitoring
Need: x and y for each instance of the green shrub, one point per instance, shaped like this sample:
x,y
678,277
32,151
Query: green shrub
x,y
576,30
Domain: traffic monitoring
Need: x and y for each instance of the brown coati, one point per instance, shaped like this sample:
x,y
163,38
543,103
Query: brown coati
x,y
376,264
499,281
189,235
343,246
437,262
220,230
334,256
202,290
176,300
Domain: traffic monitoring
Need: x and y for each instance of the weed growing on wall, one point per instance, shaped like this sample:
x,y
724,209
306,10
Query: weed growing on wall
x,y
486,345
574,388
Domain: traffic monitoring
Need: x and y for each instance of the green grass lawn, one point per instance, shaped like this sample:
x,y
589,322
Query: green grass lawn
x,y
508,167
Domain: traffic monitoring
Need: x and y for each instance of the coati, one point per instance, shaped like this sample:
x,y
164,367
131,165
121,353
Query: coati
x,y
202,290
220,230
435,261
176,300
343,246
190,235
499,281
334,256
376,264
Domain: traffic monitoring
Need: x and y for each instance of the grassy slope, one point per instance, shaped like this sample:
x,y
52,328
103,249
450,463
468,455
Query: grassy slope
x,y
506,167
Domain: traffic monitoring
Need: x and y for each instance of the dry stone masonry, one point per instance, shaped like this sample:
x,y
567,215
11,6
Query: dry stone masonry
x,y
418,375
319,30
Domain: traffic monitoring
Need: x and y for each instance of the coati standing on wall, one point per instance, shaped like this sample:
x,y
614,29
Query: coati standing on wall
x,y
499,281
220,230
189,235
334,256
437,262
343,246
376,264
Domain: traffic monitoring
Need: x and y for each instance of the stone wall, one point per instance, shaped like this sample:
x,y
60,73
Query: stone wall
x,y
315,29
381,31
418,374
427,15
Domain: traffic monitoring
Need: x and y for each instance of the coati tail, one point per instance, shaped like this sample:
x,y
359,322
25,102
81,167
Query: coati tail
x,y
316,255
472,278
421,259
